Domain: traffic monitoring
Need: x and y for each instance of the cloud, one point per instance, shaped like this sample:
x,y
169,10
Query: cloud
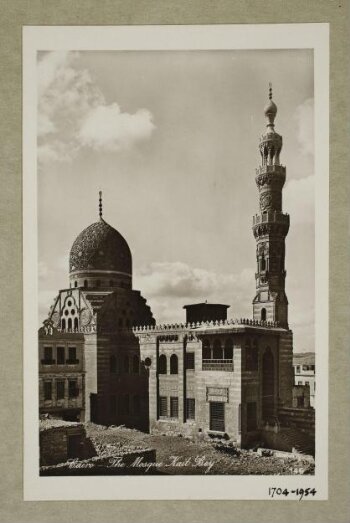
x,y
73,113
304,117
107,128
170,285
299,200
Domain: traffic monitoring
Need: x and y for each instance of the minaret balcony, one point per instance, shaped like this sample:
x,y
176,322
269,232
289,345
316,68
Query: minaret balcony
x,y
270,223
275,169
271,217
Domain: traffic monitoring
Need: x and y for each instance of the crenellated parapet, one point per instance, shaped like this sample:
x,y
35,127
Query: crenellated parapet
x,y
203,324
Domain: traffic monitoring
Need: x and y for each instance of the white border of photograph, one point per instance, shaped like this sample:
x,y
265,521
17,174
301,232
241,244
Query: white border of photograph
x,y
212,37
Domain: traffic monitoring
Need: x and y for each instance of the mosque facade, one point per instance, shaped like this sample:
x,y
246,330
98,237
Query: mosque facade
x,y
103,357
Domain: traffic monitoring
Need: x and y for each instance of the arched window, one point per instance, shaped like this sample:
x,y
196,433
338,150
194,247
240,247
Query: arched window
x,y
162,364
112,364
263,314
217,350
63,324
135,364
228,350
75,284
86,284
69,324
263,263
206,351
76,324
173,364
126,364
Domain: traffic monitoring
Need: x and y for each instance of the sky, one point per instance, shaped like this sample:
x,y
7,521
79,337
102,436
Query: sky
x,y
171,138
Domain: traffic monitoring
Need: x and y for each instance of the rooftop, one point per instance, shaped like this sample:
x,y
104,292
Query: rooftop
x,y
206,304
306,358
50,423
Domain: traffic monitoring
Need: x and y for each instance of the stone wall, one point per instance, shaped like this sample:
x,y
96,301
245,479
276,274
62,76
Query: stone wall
x,y
302,419
54,438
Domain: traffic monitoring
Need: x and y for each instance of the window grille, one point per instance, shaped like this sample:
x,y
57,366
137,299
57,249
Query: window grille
x,y
174,407
217,416
163,406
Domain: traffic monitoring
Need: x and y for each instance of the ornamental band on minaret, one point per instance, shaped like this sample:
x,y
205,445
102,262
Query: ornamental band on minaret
x,y
270,227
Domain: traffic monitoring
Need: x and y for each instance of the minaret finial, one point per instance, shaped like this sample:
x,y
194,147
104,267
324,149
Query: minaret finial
x,y
100,205
270,91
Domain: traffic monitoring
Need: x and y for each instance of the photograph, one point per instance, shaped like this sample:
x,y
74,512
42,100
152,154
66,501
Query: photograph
x,y
166,343
174,265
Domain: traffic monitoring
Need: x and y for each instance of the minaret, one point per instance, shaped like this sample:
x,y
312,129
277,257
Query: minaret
x,y
270,227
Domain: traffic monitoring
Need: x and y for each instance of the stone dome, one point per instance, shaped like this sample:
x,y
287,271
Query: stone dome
x,y
100,247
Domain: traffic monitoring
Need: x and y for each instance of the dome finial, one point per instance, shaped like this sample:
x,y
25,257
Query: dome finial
x,y
100,205
270,110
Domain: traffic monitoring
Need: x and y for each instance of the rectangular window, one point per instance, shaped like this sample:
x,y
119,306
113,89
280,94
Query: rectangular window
x,y
47,390
47,356
60,390
163,406
217,416
300,382
190,408
174,407
60,355
72,355
251,416
298,369
190,360
48,353
307,383
73,391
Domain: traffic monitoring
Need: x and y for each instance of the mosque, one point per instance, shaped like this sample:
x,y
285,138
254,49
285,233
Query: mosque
x,y
103,357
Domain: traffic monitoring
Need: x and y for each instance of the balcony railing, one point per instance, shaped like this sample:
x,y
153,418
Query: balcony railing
x,y
218,365
271,216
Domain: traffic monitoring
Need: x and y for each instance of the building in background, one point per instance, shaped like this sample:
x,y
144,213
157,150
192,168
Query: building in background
x,y
304,374
209,374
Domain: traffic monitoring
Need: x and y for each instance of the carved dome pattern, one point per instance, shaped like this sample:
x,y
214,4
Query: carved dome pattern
x,y
100,247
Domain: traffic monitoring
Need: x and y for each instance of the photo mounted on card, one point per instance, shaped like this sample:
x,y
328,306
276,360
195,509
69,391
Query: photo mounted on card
x,y
176,262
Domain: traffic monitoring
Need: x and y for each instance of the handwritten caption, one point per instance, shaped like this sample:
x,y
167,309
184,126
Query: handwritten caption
x,y
300,493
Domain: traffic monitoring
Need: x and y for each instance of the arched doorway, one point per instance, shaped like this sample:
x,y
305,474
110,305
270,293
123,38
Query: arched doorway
x,y
268,385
